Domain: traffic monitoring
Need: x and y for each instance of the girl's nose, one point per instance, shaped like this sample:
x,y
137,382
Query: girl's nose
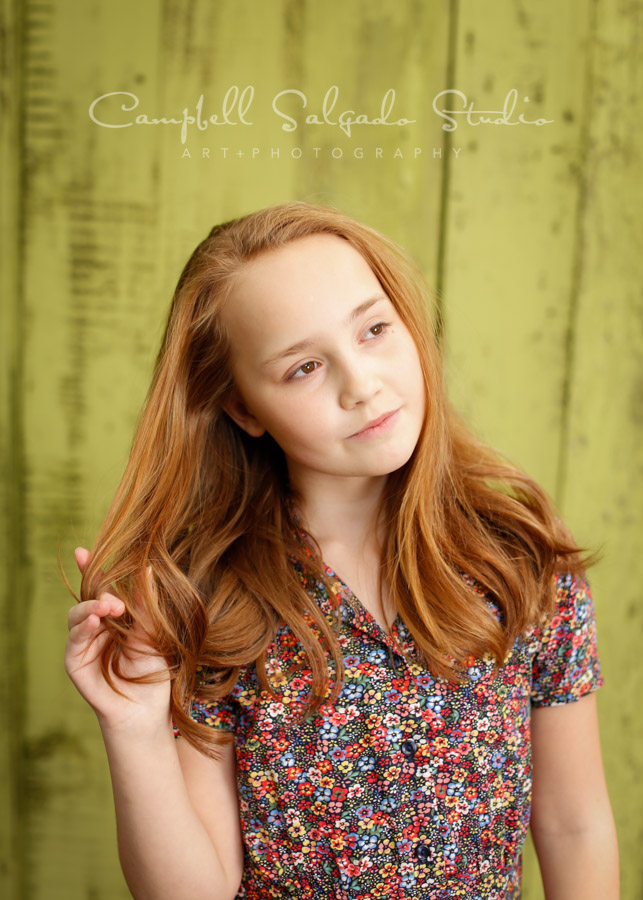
x,y
359,382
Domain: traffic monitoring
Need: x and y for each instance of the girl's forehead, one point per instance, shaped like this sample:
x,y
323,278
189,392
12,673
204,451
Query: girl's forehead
x,y
309,274
307,255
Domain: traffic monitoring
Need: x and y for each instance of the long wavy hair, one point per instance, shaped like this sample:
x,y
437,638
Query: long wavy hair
x,y
211,509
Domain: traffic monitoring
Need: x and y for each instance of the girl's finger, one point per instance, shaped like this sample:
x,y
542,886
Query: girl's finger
x,y
83,648
105,605
82,557
81,633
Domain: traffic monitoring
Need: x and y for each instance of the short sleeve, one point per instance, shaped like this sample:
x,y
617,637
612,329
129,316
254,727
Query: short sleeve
x,y
220,714
566,665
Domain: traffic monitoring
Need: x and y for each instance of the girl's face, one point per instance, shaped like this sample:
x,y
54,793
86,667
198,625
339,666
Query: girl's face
x,y
318,353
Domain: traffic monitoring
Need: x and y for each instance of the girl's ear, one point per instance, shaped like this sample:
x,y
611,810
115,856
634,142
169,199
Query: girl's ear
x,y
239,413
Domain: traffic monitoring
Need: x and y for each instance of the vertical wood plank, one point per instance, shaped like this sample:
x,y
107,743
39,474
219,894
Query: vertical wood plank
x,y
603,440
89,266
12,541
511,224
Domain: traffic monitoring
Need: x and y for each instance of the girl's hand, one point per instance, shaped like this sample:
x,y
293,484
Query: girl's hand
x,y
148,708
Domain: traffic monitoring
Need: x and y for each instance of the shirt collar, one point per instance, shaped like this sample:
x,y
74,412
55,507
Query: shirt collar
x,y
353,614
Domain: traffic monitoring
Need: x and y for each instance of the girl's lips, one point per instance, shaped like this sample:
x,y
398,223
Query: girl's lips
x,y
380,426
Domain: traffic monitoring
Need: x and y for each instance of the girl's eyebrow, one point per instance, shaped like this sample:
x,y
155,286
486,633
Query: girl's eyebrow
x,y
309,342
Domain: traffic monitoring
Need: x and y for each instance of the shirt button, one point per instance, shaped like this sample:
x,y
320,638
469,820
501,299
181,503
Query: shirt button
x,y
422,852
408,748
507,856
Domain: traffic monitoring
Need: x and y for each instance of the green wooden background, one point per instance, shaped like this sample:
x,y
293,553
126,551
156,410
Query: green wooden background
x,y
531,235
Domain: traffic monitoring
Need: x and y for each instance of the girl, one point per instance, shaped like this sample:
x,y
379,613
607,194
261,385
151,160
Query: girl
x,y
337,647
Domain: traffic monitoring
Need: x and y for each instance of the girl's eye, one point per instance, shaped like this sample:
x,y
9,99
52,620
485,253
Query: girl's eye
x,y
380,328
306,368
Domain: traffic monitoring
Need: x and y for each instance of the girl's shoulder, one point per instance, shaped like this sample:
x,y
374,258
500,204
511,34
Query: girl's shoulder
x,y
566,663
574,604
574,609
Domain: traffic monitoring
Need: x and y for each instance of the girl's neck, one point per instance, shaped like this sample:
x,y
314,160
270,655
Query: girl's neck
x,y
343,512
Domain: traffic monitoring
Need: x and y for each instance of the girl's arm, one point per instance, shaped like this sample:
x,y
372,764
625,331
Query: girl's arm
x,y
177,811
166,849
571,820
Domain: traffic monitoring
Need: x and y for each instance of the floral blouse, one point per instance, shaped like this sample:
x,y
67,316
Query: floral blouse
x,y
408,786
